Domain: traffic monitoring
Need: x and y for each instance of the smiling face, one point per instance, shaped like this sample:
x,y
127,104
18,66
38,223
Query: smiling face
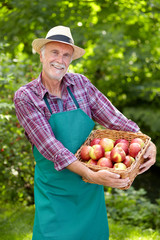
x,y
55,58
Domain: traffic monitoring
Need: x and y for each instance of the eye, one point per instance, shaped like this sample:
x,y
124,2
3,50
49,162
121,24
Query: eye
x,y
67,55
55,52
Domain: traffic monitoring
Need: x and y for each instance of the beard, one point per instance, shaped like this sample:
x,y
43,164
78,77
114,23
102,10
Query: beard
x,y
56,71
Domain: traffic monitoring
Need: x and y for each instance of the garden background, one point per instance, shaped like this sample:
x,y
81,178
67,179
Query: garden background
x,y
122,43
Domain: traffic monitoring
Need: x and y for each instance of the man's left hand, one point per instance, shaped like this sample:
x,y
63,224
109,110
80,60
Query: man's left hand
x,y
149,158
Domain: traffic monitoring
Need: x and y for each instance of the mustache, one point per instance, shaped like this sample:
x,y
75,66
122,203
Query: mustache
x,y
57,65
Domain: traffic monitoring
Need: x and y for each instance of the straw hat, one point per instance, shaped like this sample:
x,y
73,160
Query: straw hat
x,y
58,34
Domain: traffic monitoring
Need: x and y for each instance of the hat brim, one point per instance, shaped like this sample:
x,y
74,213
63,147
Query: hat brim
x,y
38,43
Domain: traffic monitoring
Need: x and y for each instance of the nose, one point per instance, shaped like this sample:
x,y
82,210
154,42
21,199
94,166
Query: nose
x,y
60,58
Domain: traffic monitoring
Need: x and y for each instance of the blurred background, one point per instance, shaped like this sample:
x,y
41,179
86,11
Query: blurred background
x,y
122,43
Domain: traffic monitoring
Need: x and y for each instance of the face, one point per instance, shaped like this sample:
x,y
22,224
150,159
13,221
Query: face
x,y
55,59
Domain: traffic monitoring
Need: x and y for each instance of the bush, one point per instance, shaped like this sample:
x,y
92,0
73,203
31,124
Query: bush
x,y
16,160
133,208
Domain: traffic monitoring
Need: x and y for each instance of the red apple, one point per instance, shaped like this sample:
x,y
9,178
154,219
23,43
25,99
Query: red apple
x,y
95,141
85,153
93,162
119,166
138,140
117,154
134,149
105,162
96,152
107,144
123,145
121,140
128,161
107,154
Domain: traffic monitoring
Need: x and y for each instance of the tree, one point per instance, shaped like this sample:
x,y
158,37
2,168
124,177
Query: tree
x,y
122,43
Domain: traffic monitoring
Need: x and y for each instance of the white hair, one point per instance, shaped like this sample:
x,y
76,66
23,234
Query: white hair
x,y
43,50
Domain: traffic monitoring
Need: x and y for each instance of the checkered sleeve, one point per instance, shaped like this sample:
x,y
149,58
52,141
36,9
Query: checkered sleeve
x,y
40,133
106,114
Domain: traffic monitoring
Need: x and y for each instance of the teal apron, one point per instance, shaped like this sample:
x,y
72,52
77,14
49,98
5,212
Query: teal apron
x,y
67,208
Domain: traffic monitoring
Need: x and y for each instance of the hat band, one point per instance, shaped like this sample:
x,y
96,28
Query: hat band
x,y
61,38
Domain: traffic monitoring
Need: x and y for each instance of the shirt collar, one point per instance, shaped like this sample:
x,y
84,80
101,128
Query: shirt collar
x,y
67,80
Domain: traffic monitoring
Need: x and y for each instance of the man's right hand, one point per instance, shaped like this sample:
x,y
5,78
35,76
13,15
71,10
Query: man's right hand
x,y
102,177
106,178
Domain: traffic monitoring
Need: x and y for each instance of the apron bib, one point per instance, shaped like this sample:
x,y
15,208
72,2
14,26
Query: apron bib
x,y
66,207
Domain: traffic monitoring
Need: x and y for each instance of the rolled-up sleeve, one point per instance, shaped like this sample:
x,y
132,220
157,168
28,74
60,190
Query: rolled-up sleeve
x,y
40,134
106,114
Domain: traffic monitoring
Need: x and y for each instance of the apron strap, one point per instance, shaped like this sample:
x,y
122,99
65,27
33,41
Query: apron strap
x,y
71,94
73,97
47,103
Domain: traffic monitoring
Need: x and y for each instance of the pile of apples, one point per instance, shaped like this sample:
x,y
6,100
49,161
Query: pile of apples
x,y
105,152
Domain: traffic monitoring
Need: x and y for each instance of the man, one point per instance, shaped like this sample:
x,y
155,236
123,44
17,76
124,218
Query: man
x,y
56,111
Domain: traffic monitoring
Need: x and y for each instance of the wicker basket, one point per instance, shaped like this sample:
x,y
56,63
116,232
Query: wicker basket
x,y
131,171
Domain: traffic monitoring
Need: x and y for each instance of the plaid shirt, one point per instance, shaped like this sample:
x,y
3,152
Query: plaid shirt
x,y
33,114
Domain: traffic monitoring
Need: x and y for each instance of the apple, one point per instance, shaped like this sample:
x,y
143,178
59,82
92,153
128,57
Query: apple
x,y
96,152
138,140
107,154
107,144
134,149
121,140
95,141
85,153
117,154
105,162
132,159
128,161
119,166
93,162
123,145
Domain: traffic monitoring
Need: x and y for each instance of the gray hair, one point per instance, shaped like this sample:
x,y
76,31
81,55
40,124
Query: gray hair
x,y
43,50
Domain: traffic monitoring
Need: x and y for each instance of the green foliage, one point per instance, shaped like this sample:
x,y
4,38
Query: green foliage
x,y
16,160
16,223
133,208
119,230
148,120
122,43
122,60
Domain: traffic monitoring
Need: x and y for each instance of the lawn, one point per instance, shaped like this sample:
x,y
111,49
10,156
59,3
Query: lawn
x,y
16,223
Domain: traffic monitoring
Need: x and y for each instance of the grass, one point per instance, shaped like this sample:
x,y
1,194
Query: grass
x,y
16,223
119,231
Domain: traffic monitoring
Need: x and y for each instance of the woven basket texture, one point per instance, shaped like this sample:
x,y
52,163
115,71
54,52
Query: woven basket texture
x,y
131,171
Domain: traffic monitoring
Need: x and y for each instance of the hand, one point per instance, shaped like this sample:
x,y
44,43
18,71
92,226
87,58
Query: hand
x,y
102,177
149,157
109,179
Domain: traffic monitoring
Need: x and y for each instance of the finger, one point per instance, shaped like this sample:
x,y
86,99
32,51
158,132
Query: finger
x,y
151,151
122,183
142,170
148,163
145,166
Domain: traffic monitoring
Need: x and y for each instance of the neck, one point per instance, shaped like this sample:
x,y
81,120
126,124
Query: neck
x,y
53,86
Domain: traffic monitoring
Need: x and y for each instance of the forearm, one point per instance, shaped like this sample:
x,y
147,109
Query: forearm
x,y
80,169
102,177
106,114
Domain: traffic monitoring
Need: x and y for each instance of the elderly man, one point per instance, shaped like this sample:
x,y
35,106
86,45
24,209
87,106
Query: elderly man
x,y
56,111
